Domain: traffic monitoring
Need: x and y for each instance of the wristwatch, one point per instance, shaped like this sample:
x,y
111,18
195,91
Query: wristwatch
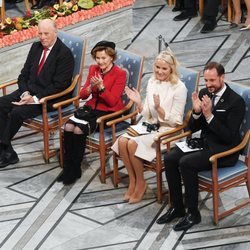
x,y
102,89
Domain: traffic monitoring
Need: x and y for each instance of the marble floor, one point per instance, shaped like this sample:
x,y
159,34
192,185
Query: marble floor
x,y
36,212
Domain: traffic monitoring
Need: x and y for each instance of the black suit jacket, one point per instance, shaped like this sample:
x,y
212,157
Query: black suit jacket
x,y
55,76
222,133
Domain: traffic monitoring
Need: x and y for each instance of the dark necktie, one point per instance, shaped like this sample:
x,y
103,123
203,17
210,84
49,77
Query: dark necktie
x,y
213,101
40,66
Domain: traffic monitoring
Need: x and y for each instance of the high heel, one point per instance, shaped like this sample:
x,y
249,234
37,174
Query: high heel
x,y
133,200
245,27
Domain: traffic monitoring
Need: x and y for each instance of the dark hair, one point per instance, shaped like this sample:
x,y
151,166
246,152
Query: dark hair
x,y
111,52
214,65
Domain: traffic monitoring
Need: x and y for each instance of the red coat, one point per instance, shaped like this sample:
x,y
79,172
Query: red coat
x,y
114,82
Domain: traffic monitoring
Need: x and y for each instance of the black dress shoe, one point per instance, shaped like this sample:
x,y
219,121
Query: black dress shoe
x,y
178,7
8,158
208,27
187,222
60,177
171,214
72,177
185,15
38,5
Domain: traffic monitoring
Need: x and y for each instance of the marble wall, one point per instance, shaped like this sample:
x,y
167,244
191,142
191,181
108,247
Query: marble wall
x,y
115,26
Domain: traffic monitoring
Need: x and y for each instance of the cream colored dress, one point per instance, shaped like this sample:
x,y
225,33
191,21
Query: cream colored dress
x,y
172,100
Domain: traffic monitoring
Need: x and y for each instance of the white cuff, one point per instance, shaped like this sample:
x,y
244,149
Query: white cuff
x,y
36,100
24,94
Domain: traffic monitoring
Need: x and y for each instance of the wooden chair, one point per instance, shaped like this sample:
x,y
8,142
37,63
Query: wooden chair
x,y
48,122
219,180
191,80
101,141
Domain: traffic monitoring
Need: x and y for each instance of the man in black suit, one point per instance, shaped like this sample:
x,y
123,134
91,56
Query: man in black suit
x,y
48,70
219,125
210,12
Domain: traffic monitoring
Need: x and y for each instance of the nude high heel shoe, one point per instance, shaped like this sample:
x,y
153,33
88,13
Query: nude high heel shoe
x,y
245,27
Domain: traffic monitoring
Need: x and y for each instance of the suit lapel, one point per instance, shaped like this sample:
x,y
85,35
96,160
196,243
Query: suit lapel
x,y
224,99
51,56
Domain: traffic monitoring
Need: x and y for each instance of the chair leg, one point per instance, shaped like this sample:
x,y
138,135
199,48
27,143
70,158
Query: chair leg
x,y
46,146
159,187
216,206
103,165
115,170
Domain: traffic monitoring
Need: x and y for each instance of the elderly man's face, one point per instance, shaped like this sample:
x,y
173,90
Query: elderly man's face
x,y
214,82
47,35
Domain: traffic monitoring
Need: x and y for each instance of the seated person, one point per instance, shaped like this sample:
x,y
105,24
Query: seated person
x,y
164,105
218,112
105,82
48,70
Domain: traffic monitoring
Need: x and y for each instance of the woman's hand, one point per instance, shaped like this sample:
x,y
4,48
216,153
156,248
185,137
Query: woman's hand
x,y
96,81
133,95
156,101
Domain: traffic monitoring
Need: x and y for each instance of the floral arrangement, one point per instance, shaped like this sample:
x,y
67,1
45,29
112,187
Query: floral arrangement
x,y
19,29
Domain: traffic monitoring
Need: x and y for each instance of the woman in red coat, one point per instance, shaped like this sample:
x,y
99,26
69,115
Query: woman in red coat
x,y
105,84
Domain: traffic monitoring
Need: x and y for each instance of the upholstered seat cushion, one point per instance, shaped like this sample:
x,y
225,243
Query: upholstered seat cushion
x,y
120,129
224,173
53,115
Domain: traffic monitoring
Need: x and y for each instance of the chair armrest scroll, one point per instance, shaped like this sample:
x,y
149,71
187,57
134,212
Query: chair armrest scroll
x,y
5,85
62,93
237,148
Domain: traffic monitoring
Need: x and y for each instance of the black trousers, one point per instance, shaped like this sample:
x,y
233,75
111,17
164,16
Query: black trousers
x,y
185,166
211,8
13,116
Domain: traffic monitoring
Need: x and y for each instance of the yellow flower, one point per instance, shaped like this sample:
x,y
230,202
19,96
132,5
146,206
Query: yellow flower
x,y
75,7
56,6
8,20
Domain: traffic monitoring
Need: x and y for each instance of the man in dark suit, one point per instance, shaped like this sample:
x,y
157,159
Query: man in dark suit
x,y
210,12
48,70
219,125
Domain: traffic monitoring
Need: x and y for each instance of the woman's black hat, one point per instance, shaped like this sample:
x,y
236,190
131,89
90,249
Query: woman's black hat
x,y
104,44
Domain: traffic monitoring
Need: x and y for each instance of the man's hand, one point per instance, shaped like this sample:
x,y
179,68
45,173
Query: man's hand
x,y
27,99
206,106
196,102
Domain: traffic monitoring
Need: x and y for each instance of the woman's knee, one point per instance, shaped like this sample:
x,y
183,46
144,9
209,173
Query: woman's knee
x,y
132,146
69,127
77,131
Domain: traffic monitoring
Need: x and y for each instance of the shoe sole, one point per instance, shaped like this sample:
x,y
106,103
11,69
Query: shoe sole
x,y
182,19
10,163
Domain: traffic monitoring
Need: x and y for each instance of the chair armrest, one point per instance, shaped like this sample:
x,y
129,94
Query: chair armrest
x,y
235,149
114,114
62,93
123,118
5,85
159,136
66,102
176,137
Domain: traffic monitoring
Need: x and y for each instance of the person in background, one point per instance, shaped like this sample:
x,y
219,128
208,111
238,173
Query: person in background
x,y
218,112
105,84
164,106
238,15
48,70
210,12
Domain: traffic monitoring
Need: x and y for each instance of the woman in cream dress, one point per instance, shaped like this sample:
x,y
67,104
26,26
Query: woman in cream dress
x,y
164,105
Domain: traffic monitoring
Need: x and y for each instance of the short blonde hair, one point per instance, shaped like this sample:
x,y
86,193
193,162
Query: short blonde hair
x,y
170,59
